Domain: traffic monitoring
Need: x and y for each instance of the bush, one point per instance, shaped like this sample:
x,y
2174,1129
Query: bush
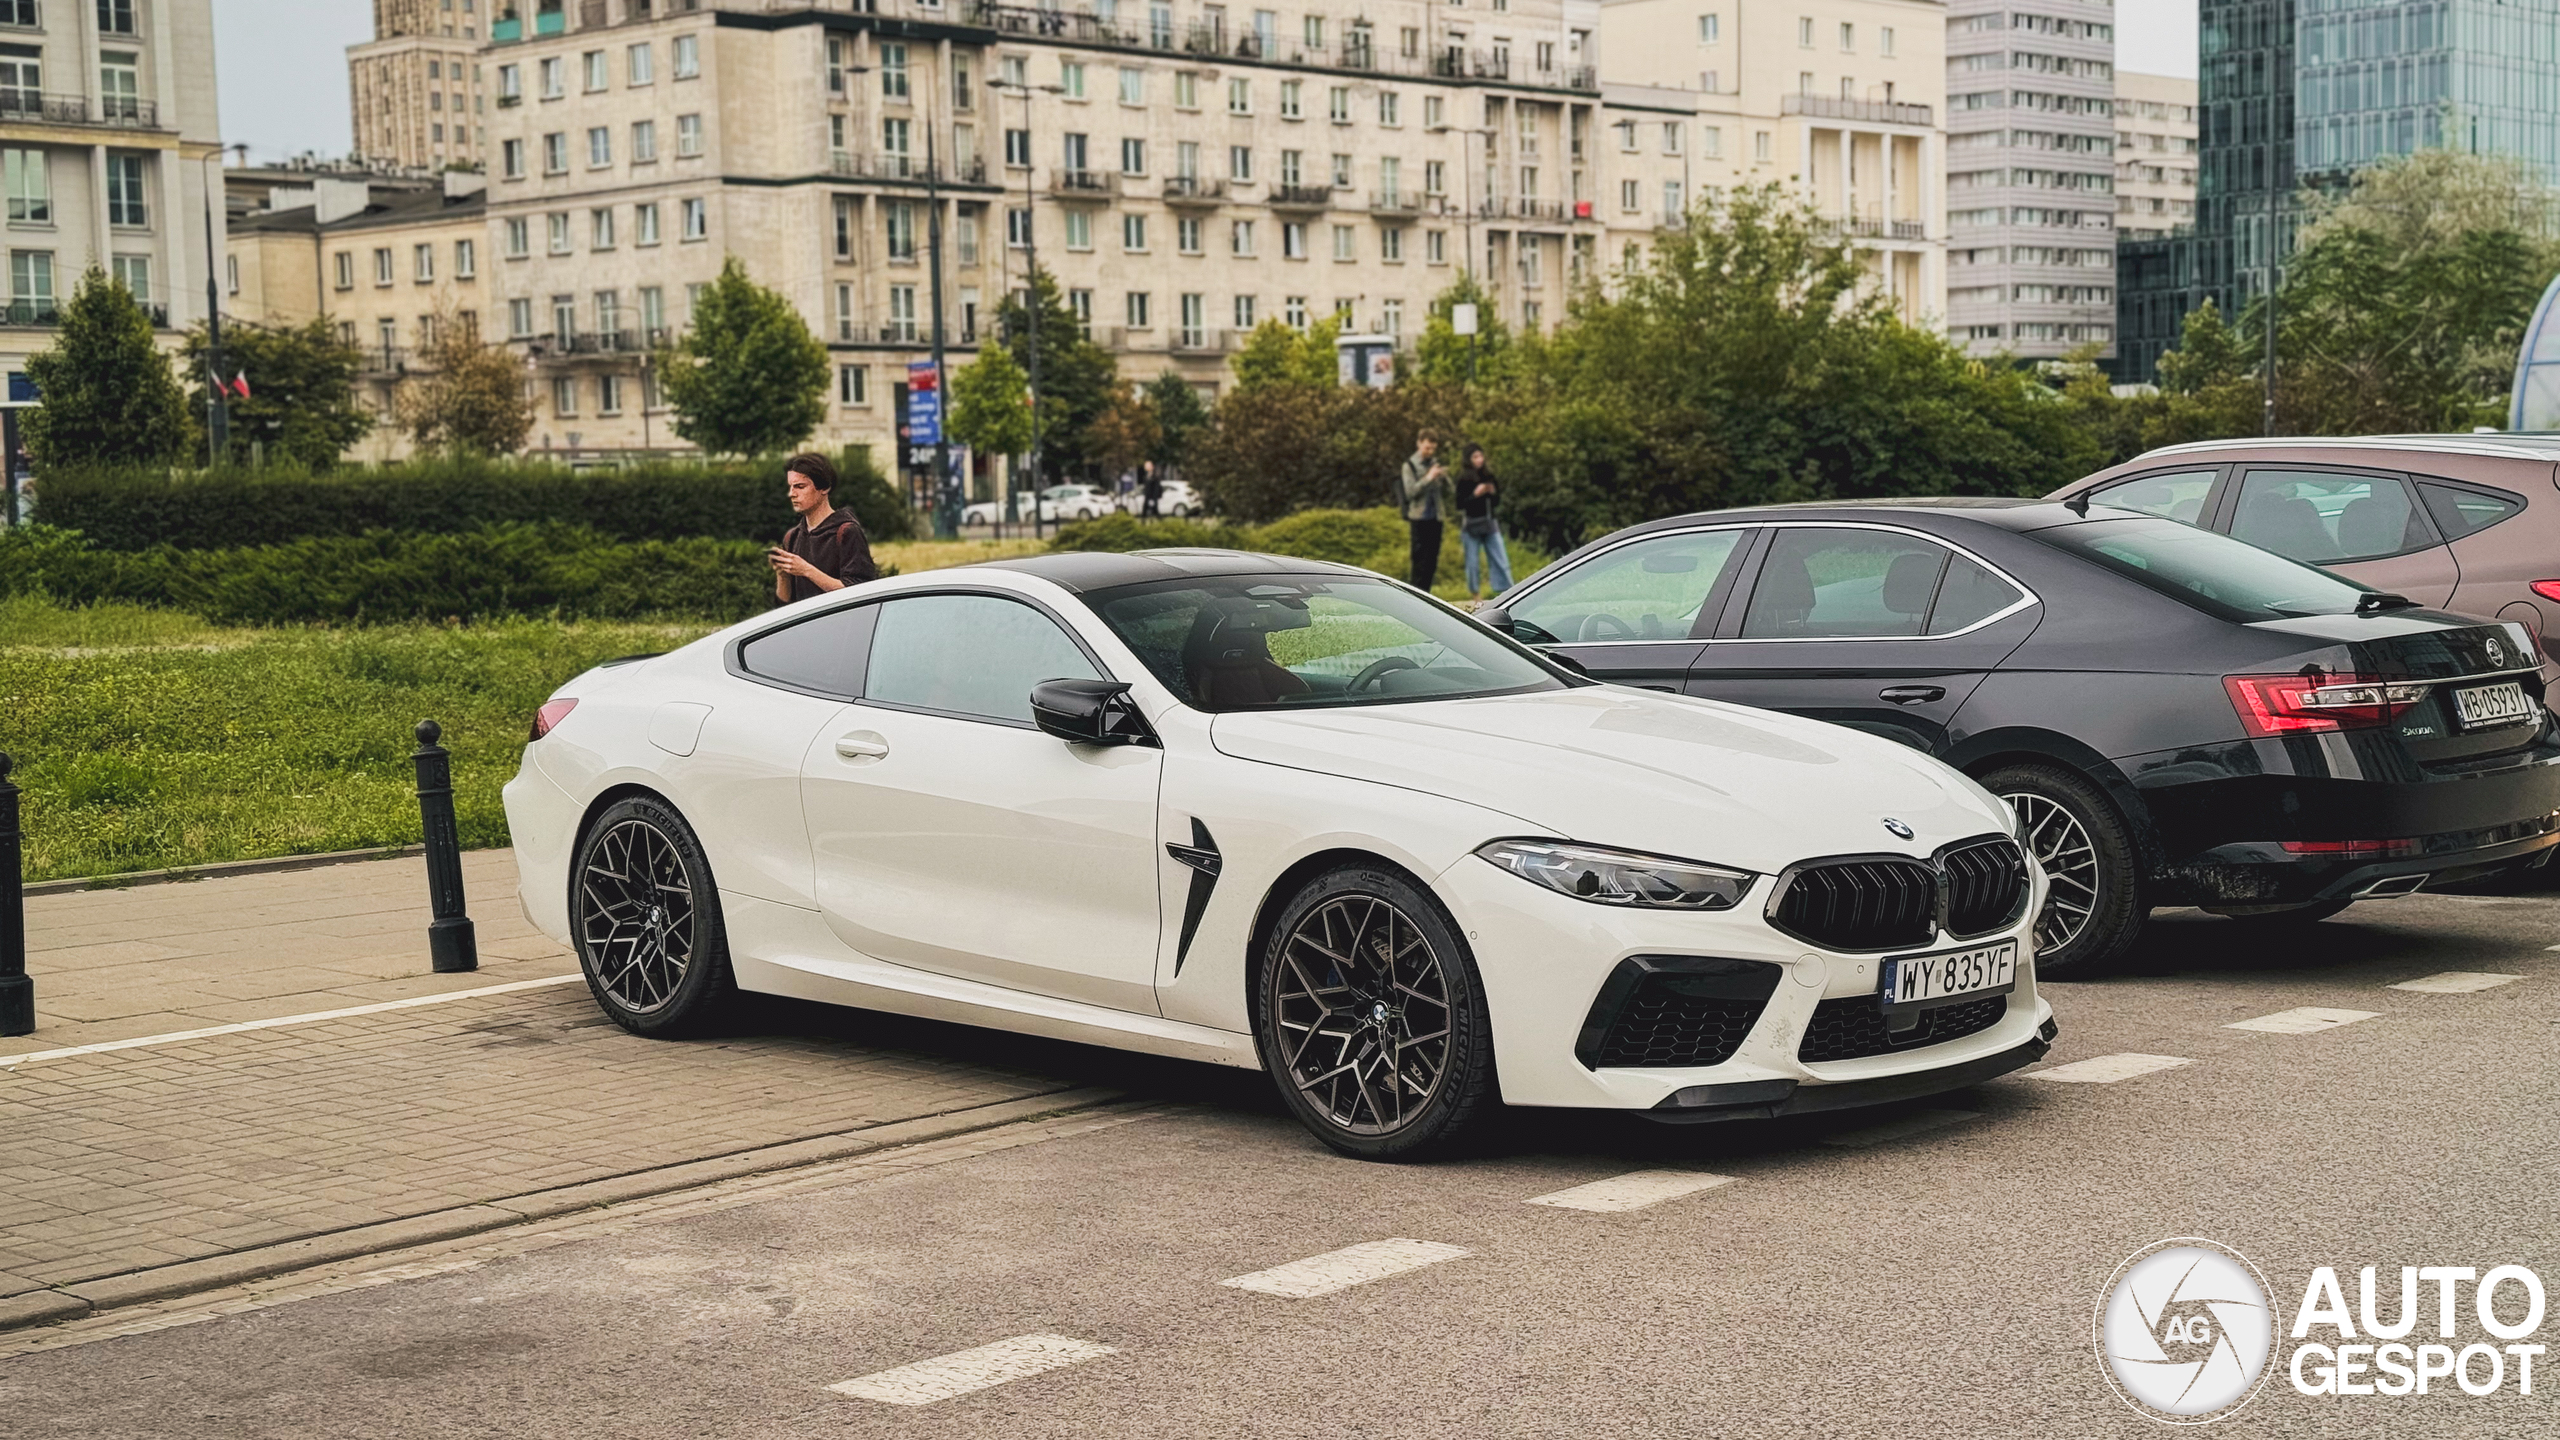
x,y
136,509
500,570
1373,539
1120,533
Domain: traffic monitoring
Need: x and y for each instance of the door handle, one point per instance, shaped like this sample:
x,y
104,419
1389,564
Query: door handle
x,y
861,745
1913,694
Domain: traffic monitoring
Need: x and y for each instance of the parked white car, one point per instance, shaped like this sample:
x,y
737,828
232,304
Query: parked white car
x,y
1058,503
1177,500
1268,812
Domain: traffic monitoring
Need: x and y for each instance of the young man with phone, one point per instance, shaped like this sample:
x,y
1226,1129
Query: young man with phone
x,y
827,550
1428,496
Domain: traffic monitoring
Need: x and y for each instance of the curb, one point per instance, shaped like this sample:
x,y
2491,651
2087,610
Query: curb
x,y
221,870
86,1297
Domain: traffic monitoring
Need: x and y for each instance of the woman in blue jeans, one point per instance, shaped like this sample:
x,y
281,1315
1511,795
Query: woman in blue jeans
x,y
1480,534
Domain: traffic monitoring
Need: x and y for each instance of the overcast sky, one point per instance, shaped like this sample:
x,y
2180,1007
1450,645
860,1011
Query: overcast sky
x,y
283,65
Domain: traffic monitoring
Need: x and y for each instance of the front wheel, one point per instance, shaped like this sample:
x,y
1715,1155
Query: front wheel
x,y
1370,1018
2093,904
647,921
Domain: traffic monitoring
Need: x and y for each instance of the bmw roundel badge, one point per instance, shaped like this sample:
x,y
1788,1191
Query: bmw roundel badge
x,y
1900,830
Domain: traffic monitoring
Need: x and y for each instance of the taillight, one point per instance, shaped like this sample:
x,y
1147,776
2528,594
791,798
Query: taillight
x,y
2306,705
548,718
2547,589
2351,849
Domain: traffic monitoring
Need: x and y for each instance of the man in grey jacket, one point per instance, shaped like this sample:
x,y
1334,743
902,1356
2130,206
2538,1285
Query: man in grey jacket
x,y
1428,498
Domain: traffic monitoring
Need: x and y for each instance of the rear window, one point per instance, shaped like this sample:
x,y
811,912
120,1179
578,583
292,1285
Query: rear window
x,y
2461,511
2216,574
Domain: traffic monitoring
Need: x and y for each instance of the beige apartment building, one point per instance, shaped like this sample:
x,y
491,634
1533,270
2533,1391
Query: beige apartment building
x,y
416,87
108,141
2155,155
1844,100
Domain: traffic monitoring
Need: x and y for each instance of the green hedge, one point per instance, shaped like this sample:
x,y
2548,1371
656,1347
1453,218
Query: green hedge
x,y
500,570
1376,539
228,509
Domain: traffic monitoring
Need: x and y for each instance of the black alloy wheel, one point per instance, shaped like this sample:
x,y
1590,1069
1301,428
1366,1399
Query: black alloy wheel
x,y
2093,907
1371,1019
647,921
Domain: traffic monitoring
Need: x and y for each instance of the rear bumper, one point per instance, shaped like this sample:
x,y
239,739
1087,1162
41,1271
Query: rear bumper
x,y
2223,816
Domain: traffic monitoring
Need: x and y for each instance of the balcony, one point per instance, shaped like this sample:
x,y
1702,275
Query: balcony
x,y
1194,190
1082,29
123,111
1300,197
1091,185
1396,202
31,314
385,361
902,165
1882,112
1202,340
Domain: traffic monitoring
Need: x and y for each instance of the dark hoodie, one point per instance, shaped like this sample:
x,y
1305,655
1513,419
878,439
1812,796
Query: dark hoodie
x,y
837,546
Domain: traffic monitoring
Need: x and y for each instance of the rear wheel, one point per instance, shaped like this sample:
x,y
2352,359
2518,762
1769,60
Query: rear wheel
x,y
1371,1019
2093,904
647,921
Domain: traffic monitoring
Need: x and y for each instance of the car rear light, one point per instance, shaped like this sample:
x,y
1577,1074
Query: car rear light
x,y
2547,589
548,718
2351,848
2272,705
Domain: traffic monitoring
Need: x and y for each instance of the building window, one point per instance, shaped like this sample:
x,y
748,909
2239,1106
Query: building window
x,y
1341,172
1239,97
902,312
564,396
1079,229
1017,228
511,159
967,233
1804,32
115,17
125,205
845,218
901,219
1884,45
1195,310
1293,312
1186,90
1338,104
1240,164
844,312
639,65
1435,246
1017,149
1240,239
1711,141
1133,85
852,385
519,319
1391,317
1346,243
382,266
1293,240
555,78
600,228
422,264
510,84
1760,148
1848,38
1389,105
1071,79
644,142
1671,137
135,273
599,147
688,56
519,239
1139,310
30,187
466,259
1133,233
598,73
608,394
893,71
1629,198
558,223
1391,244
1293,99
688,136
1133,156
1187,231
1244,312
555,153
1710,29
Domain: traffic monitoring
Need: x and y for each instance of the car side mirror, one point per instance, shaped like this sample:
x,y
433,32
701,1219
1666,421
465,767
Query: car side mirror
x,y
1089,712
1494,616
1526,632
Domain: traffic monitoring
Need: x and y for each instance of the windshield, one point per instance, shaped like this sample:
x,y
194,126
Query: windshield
x,y
2214,573
1262,642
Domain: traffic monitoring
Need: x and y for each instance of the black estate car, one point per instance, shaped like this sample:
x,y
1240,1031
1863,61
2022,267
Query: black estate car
x,y
2177,717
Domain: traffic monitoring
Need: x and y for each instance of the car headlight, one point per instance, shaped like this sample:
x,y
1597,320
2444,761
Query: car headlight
x,y
1621,877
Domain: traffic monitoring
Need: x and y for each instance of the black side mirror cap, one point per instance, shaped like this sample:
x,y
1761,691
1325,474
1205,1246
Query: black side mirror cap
x,y
1089,712
1494,617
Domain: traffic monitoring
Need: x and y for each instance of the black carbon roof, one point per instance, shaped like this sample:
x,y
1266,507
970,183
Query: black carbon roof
x,y
1089,570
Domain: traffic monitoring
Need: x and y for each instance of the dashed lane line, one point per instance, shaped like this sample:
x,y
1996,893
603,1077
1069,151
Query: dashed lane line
x,y
1341,1269
2108,1069
2456,982
1919,1122
1632,1191
947,1376
413,1002
2303,1020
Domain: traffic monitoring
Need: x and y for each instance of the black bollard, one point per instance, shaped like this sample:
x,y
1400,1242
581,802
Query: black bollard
x,y
17,992
450,945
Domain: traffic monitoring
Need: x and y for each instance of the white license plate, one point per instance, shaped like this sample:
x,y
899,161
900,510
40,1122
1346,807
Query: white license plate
x,y
1929,979
2492,705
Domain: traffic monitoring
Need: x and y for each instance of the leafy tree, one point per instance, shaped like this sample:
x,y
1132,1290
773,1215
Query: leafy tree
x,y
748,378
1278,448
1127,431
109,398
1443,353
471,398
1180,417
1075,376
2433,197
991,403
1277,353
301,404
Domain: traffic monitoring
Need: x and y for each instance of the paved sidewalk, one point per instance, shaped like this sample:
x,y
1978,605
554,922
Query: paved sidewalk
x,y
119,1163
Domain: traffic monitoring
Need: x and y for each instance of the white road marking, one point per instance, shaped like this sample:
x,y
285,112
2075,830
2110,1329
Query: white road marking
x,y
175,1036
1344,1268
2108,1069
2456,982
1633,1191
945,1376
2303,1020
1917,1123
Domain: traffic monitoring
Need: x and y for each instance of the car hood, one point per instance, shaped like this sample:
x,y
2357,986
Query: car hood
x,y
1660,773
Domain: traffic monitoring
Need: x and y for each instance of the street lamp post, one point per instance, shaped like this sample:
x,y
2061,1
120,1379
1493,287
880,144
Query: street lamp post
x,y
217,424
946,504
1031,276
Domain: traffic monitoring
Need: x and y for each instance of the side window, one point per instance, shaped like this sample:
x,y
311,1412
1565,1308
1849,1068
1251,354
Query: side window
x,y
1649,589
2323,516
824,654
1820,584
974,655
1968,596
2459,511
2177,495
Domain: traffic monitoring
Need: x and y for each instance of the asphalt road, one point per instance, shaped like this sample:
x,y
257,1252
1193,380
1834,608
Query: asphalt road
x,y
1928,1271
